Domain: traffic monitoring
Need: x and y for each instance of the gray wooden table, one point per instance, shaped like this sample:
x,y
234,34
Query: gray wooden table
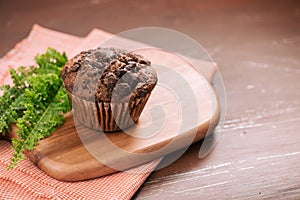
x,y
257,46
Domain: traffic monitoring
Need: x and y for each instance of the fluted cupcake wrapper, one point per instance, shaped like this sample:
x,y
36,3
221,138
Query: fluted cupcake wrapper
x,y
108,116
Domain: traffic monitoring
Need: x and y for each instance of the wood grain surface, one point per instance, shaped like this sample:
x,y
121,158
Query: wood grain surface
x,y
75,152
256,44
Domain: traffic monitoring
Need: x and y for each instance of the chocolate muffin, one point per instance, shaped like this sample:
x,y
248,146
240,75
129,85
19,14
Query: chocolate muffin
x,y
109,87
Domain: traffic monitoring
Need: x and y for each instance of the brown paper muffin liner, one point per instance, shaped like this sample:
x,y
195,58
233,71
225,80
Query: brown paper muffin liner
x,y
107,116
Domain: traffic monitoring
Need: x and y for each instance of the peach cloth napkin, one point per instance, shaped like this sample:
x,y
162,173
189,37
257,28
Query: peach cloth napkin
x,y
26,181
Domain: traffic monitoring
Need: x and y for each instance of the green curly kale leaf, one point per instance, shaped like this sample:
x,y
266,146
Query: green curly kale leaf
x,y
36,103
9,102
37,124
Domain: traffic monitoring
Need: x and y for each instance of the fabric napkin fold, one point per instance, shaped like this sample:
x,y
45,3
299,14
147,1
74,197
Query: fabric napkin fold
x,y
26,181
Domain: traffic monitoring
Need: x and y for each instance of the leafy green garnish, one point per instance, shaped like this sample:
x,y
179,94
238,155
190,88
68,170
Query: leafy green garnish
x,y
36,103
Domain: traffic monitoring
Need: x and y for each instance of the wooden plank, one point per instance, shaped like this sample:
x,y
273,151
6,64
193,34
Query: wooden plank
x,y
75,152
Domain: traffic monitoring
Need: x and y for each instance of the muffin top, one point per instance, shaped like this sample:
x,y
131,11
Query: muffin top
x,y
106,74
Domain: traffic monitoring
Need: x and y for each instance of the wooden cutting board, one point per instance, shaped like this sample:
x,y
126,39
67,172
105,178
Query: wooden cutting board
x,y
75,152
